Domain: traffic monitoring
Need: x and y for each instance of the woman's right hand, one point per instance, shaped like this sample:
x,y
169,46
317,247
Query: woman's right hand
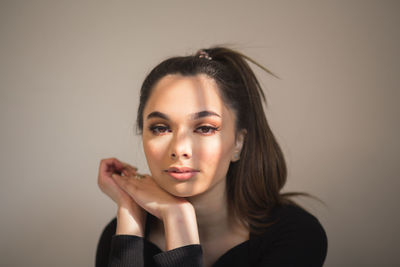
x,y
130,216
107,168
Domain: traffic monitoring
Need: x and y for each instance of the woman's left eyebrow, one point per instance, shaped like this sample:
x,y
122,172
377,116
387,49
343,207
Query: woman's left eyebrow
x,y
204,113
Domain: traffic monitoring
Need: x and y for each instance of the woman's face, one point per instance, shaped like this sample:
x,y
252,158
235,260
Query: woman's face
x,y
188,135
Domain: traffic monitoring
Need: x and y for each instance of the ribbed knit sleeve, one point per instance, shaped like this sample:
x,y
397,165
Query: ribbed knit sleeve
x,y
126,251
186,256
129,251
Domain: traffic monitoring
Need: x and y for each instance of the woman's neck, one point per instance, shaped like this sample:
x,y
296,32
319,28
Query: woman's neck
x,y
212,213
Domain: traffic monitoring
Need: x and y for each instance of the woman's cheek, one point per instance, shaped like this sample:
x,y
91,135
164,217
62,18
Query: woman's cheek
x,y
155,150
209,150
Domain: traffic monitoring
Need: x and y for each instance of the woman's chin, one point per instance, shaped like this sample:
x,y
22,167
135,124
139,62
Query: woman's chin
x,y
185,190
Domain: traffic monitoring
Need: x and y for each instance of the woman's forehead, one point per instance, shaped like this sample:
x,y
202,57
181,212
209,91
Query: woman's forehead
x,y
179,94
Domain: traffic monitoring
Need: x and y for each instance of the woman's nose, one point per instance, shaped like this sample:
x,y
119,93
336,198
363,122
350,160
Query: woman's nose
x,y
181,147
184,155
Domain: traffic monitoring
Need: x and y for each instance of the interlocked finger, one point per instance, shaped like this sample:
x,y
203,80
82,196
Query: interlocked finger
x,y
139,176
129,170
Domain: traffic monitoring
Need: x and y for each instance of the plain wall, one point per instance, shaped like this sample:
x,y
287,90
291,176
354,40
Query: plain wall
x,y
70,72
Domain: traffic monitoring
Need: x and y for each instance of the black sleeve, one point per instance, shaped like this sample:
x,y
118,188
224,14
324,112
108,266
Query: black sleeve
x,y
298,239
119,250
128,250
104,244
186,256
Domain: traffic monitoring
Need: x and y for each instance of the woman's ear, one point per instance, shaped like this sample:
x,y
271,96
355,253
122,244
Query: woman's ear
x,y
240,137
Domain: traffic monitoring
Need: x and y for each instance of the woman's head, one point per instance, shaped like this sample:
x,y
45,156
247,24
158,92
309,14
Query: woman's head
x,y
253,182
189,135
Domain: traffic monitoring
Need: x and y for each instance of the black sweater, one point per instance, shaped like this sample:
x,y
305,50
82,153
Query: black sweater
x,y
295,239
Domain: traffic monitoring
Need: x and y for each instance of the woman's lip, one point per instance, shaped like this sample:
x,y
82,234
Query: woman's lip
x,y
181,173
181,169
182,176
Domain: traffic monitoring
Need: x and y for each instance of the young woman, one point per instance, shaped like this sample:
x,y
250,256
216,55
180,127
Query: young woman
x,y
213,197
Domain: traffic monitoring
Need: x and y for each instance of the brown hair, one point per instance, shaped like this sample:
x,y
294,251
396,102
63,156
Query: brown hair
x,y
254,182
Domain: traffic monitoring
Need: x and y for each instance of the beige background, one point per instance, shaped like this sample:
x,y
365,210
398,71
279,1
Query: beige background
x,y
69,77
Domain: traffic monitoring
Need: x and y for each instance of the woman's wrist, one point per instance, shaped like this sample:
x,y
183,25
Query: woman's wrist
x,y
180,226
130,221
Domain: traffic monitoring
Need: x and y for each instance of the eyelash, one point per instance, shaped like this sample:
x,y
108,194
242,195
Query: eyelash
x,y
212,128
161,129
155,129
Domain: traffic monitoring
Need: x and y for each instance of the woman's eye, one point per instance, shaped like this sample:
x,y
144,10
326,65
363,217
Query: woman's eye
x,y
206,130
159,129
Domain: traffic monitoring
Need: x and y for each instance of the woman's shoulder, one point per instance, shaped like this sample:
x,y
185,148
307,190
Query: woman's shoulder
x,y
291,215
294,234
293,221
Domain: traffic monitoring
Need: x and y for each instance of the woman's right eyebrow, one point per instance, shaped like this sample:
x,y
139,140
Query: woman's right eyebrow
x,y
194,116
157,114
